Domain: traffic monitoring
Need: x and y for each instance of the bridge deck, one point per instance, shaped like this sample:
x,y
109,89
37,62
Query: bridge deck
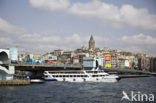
x,y
38,66
61,66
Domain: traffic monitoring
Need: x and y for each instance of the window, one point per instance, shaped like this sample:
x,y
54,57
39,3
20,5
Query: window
x,y
95,75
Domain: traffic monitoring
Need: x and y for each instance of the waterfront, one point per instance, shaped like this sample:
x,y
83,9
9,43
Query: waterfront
x,y
64,92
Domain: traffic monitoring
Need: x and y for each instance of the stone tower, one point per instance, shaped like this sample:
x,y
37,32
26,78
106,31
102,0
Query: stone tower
x,y
91,43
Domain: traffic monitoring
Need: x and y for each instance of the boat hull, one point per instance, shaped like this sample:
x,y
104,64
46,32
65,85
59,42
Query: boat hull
x,y
100,79
50,79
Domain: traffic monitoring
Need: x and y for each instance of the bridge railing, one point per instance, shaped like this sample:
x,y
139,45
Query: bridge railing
x,y
45,64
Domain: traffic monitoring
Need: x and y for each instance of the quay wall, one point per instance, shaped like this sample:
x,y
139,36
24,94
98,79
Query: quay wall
x,y
14,82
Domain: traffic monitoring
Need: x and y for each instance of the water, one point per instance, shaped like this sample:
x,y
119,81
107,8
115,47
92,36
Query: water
x,y
63,92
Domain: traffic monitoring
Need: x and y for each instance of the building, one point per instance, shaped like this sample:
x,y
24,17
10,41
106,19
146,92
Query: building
x,y
81,55
49,56
108,61
58,52
144,63
66,57
153,64
91,43
92,63
114,61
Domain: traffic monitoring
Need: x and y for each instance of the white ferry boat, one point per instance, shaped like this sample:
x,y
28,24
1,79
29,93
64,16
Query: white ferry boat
x,y
80,76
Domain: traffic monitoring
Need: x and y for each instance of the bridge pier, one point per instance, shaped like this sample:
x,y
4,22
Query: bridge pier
x,y
5,76
6,70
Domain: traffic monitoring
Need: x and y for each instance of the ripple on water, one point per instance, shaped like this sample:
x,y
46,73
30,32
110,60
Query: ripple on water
x,y
64,92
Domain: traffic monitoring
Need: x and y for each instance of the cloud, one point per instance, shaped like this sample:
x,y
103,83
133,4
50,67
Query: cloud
x,y
137,17
102,41
50,5
42,43
8,28
139,39
12,36
5,42
126,15
118,17
139,43
38,43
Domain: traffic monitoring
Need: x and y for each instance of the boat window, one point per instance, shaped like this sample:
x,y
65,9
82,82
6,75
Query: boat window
x,y
95,75
56,75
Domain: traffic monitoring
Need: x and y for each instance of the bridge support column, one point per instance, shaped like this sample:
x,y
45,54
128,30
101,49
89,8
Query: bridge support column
x,y
7,74
11,70
6,70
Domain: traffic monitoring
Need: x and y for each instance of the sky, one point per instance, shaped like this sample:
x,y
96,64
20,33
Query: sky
x,y
40,26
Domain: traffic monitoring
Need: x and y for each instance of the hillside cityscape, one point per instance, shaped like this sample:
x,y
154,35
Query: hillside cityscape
x,y
118,58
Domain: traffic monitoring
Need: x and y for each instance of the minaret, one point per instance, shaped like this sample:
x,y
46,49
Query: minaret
x,y
91,43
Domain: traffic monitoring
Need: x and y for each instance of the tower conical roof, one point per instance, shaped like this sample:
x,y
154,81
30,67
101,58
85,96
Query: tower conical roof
x,y
91,39
91,43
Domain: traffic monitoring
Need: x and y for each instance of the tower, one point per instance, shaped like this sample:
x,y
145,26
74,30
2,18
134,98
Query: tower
x,y
91,43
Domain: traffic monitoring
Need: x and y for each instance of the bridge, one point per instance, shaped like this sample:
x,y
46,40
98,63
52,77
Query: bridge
x,y
7,68
37,69
50,67
46,66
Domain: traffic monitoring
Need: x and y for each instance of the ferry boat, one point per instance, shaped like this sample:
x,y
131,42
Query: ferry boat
x,y
80,76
